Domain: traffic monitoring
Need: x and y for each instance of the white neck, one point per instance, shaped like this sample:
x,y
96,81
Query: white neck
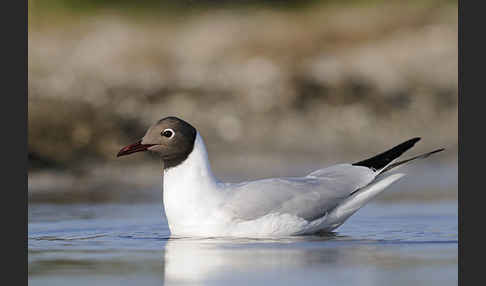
x,y
190,189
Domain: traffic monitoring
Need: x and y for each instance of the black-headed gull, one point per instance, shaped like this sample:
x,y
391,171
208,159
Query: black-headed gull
x,y
198,204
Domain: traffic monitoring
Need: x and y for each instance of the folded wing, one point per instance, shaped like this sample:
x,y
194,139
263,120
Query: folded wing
x,y
349,186
308,197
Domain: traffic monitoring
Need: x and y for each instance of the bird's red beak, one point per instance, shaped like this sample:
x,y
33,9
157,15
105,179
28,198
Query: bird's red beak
x,y
133,148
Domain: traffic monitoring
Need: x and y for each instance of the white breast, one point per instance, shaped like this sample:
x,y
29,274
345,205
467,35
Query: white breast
x,y
191,193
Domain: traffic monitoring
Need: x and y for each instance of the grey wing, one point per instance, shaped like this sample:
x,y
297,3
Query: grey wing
x,y
308,197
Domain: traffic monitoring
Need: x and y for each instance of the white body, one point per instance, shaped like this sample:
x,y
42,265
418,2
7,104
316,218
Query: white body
x,y
197,204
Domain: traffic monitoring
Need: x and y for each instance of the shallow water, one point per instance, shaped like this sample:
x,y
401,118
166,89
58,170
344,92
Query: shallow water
x,y
123,244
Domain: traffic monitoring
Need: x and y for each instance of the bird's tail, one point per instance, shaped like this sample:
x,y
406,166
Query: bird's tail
x,y
353,203
404,162
383,162
380,163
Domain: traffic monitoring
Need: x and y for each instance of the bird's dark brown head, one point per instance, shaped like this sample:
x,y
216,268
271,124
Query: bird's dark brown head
x,y
170,137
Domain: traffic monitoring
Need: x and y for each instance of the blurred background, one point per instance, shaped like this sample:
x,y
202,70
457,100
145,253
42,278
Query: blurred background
x,y
276,88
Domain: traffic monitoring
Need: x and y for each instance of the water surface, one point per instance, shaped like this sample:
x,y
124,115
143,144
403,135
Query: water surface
x,y
128,244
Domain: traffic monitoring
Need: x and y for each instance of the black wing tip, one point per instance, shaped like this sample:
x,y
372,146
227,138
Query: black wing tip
x,y
412,141
383,159
415,139
406,145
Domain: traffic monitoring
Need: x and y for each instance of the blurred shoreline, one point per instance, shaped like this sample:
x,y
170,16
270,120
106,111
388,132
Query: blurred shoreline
x,y
434,179
285,90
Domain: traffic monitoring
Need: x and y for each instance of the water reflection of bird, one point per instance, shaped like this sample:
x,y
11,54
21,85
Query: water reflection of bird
x,y
198,204
201,260
303,260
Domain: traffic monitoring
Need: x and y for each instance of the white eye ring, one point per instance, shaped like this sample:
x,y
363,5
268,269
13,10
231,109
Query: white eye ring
x,y
172,133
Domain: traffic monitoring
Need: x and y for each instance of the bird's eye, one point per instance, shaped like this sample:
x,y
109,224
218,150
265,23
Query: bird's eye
x,y
167,133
